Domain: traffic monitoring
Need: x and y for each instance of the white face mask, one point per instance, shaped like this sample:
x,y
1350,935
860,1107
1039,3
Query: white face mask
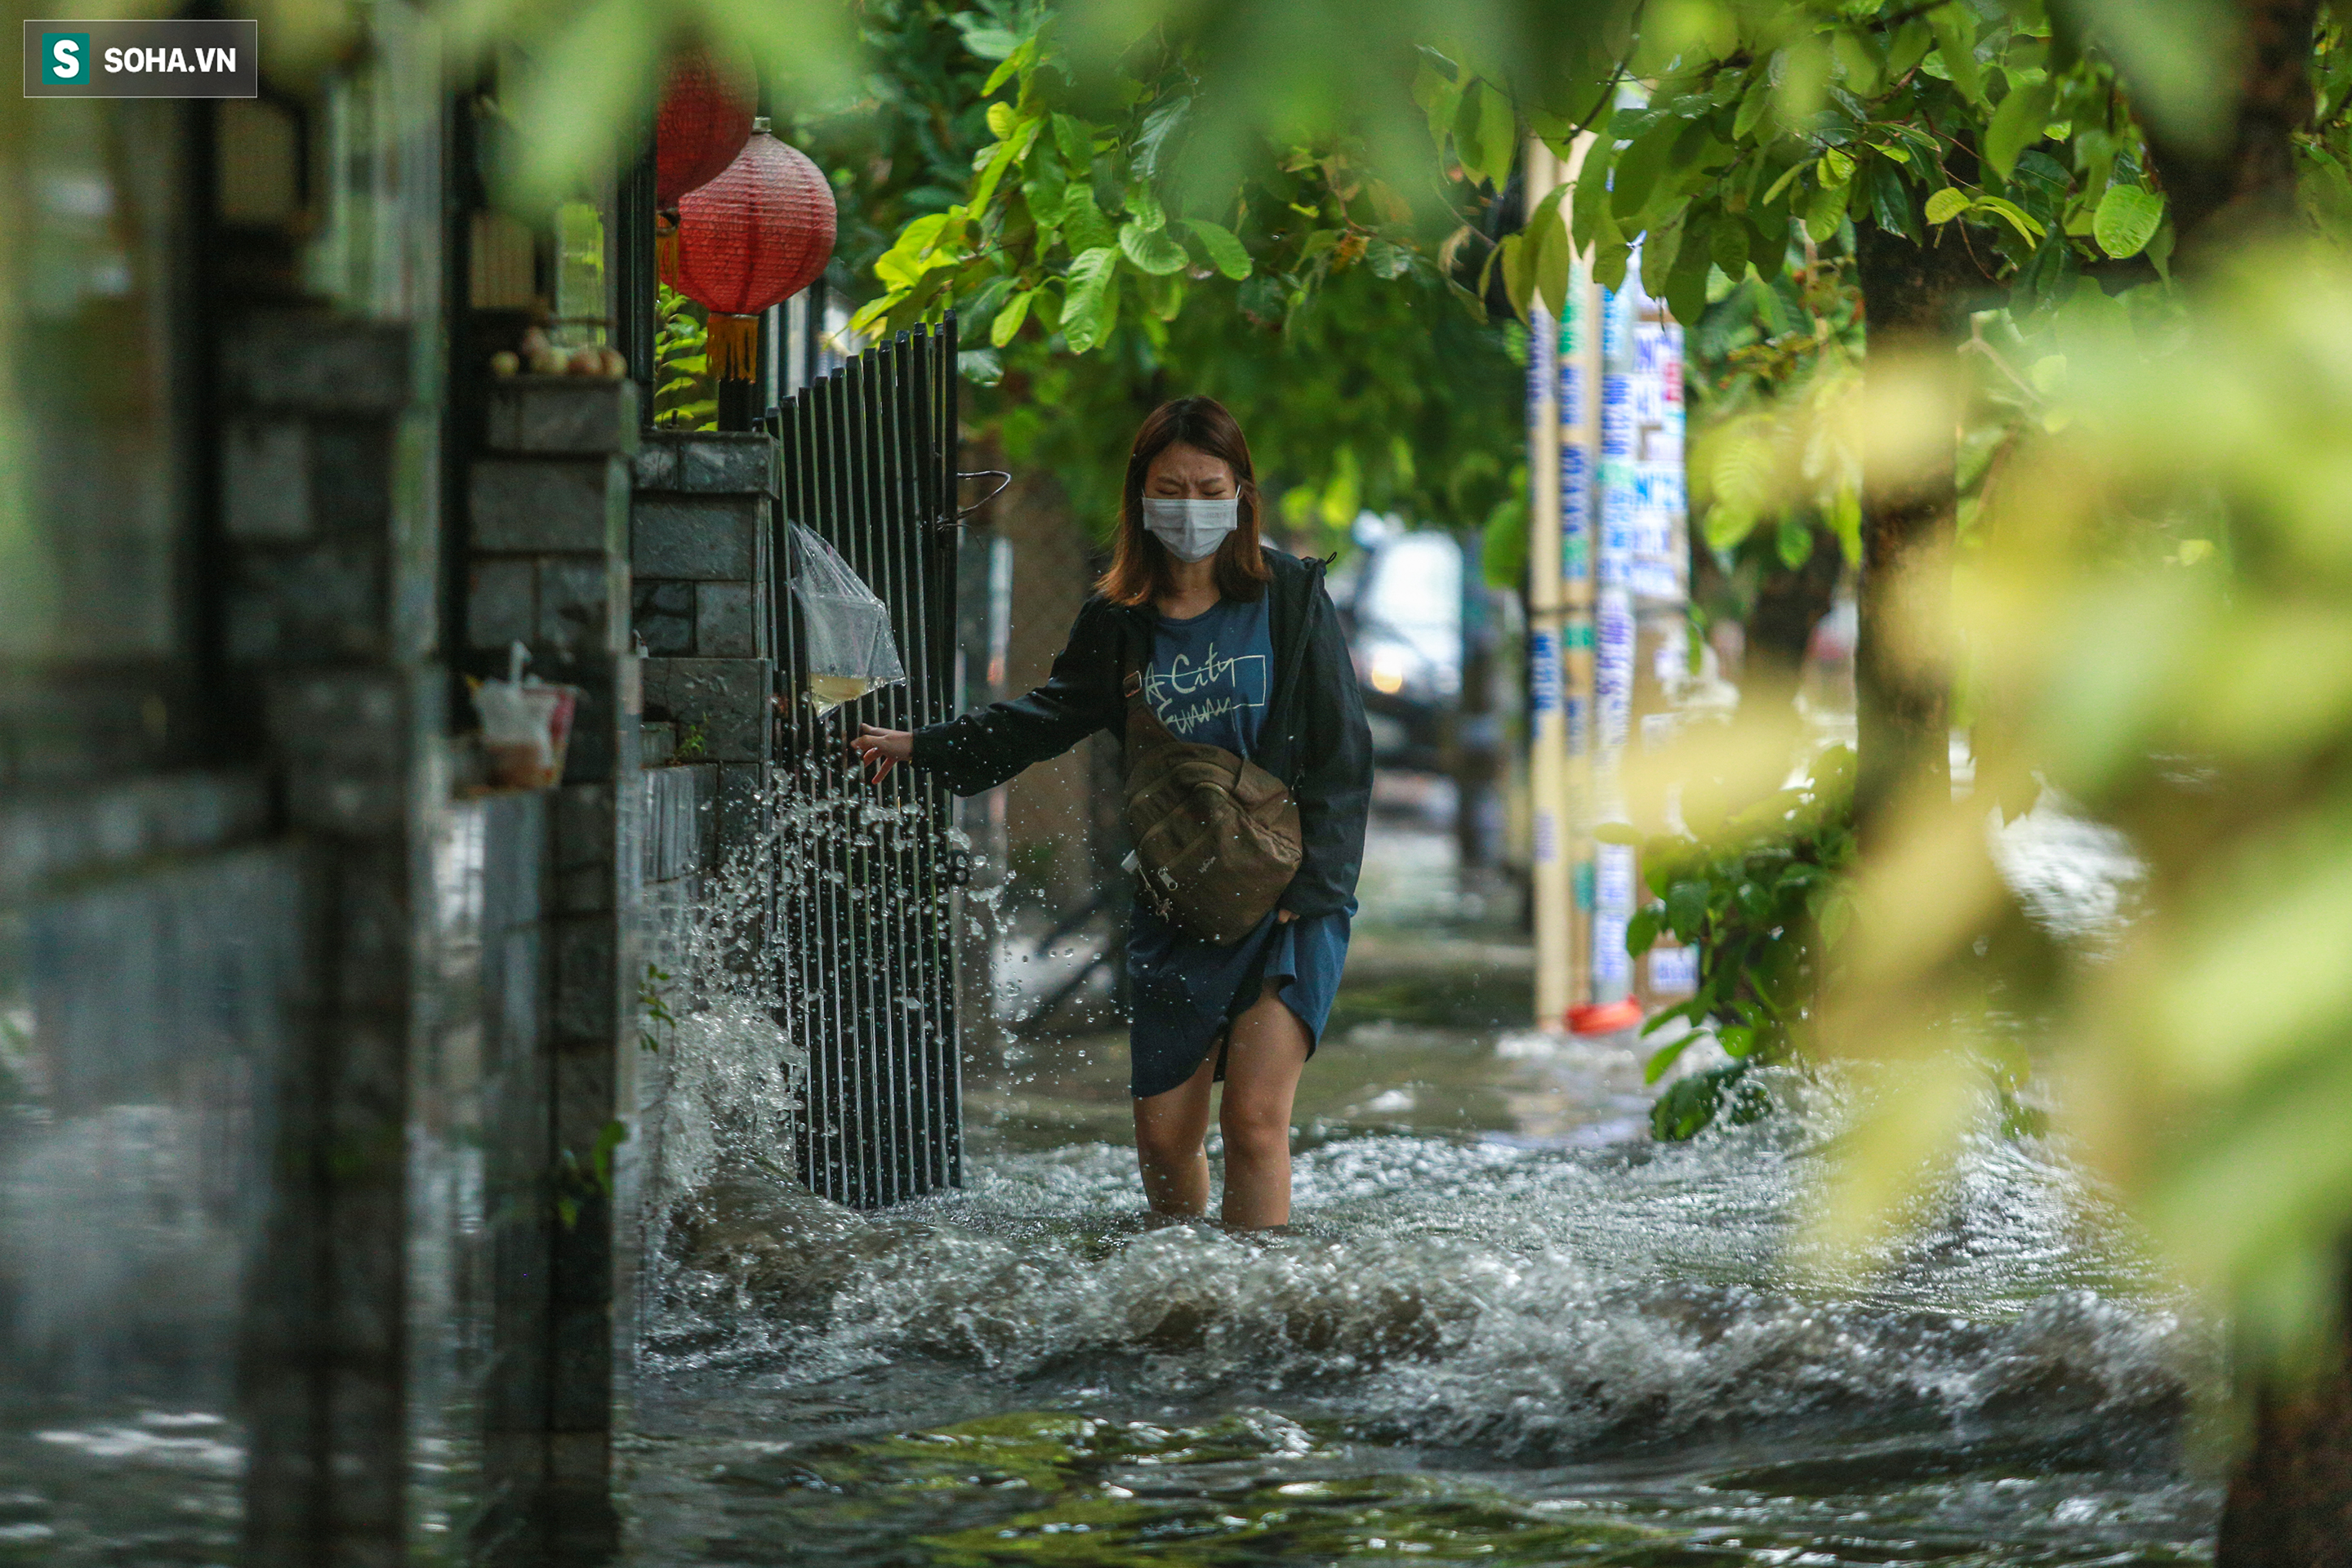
x,y
1191,529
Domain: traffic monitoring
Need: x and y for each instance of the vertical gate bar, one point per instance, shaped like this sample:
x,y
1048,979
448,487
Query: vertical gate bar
x,y
828,1094
807,963
929,510
913,904
871,1000
825,964
795,960
823,1093
890,886
952,1082
792,937
940,900
931,911
883,870
891,914
842,983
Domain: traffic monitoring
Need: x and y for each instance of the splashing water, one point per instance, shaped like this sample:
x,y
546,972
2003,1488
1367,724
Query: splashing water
x,y
1521,1333
1467,1323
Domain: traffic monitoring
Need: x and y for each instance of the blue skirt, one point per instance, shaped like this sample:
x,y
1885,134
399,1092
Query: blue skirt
x,y
1188,992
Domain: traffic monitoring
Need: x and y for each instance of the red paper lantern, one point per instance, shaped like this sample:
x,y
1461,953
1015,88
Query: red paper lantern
x,y
754,236
704,120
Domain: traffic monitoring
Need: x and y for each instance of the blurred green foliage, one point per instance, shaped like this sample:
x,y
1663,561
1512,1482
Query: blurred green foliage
x,y
1760,891
685,395
1359,387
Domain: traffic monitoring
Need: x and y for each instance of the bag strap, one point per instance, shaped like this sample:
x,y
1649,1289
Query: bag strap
x,y
1142,715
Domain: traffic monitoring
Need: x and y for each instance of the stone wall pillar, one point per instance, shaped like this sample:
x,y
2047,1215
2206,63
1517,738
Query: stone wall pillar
x,y
548,567
705,609
330,541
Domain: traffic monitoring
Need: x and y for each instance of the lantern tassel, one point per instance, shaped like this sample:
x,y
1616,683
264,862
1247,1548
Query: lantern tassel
x,y
734,346
665,249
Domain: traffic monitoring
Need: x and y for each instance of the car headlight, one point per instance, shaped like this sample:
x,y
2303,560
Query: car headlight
x,y
1392,665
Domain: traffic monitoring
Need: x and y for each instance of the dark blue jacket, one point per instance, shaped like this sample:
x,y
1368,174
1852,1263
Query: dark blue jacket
x,y
1313,738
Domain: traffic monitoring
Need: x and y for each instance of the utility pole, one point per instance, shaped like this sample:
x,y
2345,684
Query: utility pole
x,y
1549,882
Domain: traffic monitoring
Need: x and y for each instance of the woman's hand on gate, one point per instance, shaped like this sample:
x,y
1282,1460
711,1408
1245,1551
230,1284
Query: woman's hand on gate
x,y
879,749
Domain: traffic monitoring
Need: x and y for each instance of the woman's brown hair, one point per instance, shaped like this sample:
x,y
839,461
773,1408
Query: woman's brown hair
x,y
1139,567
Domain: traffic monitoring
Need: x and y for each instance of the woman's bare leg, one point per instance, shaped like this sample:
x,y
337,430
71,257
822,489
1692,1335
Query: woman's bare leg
x,y
1262,1069
1169,1130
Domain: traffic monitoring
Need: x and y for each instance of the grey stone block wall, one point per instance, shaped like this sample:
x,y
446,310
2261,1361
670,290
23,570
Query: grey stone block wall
x,y
327,507
704,603
549,566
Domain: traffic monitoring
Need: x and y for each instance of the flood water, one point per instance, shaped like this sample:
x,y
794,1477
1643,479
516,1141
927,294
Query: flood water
x,y
1504,1327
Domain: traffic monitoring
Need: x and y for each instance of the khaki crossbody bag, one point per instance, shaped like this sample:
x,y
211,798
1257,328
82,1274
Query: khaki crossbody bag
x,y
1216,836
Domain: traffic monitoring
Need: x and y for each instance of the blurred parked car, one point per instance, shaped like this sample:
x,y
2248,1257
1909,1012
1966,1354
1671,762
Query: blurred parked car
x,y
1405,631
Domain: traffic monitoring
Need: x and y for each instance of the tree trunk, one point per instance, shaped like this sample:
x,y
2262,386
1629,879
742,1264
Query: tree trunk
x,y
2291,1500
2243,181
1788,605
1914,299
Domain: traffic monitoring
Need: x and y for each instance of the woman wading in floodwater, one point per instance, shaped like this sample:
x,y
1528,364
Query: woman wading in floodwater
x,y
1223,642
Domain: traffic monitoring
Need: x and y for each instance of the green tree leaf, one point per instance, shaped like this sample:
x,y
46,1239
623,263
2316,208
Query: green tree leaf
x,y
1438,97
1824,211
1083,227
1753,106
1225,251
1090,307
1955,28
1947,204
1516,255
1153,250
1077,142
1001,331
1640,165
2018,124
1158,127
2029,229
1547,232
1495,136
2126,220
1642,932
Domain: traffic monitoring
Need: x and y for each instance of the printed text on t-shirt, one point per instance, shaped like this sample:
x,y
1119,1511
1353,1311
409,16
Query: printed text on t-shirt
x,y
1187,694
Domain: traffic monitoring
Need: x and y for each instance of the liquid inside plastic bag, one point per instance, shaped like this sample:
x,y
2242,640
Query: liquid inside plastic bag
x,y
851,651
526,730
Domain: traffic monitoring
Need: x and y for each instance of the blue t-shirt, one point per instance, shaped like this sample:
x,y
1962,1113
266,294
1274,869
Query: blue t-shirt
x,y
1211,675
1209,680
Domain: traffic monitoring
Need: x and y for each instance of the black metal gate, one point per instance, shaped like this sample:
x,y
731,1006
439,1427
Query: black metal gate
x,y
867,871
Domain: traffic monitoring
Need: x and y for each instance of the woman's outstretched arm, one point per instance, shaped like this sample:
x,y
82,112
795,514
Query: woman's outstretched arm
x,y
986,747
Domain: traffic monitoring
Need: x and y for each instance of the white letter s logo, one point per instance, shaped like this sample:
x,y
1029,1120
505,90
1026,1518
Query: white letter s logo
x,y
66,59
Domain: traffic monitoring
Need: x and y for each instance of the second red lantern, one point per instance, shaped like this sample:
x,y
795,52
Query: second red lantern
x,y
752,238
704,120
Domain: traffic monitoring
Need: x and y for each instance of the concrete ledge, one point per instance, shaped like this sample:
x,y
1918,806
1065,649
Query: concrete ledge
x,y
572,415
317,364
707,462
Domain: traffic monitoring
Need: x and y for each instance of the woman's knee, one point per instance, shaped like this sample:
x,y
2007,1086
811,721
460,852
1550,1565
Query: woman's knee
x,y
1253,1127
1166,1144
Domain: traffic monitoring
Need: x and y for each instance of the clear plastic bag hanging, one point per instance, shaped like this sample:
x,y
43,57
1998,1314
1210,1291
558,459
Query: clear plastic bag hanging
x,y
851,650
